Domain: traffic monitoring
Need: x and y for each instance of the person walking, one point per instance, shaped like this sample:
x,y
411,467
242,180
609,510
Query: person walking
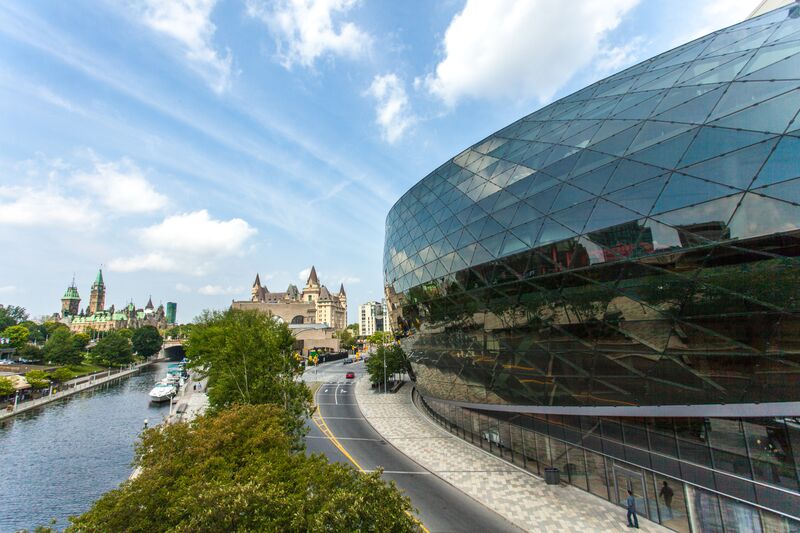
x,y
631,502
667,493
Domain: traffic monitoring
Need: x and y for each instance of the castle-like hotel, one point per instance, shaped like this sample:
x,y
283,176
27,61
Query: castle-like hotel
x,y
315,304
96,318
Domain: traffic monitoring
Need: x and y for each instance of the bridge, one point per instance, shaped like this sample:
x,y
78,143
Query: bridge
x,y
172,348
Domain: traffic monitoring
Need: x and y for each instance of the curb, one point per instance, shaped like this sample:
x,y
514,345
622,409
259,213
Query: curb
x,y
436,474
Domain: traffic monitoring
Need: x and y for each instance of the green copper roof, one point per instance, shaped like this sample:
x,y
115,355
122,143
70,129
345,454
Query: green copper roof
x,y
71,293
99,279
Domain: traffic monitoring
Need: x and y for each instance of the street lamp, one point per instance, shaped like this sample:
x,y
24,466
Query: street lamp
x,y
384,370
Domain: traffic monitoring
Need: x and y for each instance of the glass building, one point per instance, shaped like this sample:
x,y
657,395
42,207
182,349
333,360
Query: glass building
x,y
611,285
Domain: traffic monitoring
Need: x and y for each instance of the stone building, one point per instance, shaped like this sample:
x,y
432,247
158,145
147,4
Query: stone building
x,y
314,314
97,319
315,304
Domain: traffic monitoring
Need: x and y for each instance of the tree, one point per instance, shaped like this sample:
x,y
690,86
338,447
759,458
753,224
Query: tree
x,y
380,337
248,358
37,332
17,335
237,470
52,327
11,315
31,353
80,341
113,350
37,379
61,374
395,362
125,332
147,341
61,349
346,339
6,386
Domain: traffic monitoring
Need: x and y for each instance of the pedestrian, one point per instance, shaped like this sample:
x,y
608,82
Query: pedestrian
x,y
667,493
631,501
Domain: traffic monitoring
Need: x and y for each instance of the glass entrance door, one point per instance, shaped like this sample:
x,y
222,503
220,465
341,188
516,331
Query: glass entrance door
x,y
626,479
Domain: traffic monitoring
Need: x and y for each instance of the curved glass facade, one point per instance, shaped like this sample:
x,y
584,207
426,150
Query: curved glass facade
x,y
630,250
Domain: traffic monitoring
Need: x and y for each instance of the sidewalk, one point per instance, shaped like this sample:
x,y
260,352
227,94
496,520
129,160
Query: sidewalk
x,y
514,494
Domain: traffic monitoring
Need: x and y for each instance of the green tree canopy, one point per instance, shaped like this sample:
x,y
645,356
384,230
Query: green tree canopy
x,y
346,339
29,352
237,471
6,387
113,350
52,327
125,332
17,335
61,349
380,337
37,332
146,341
80,341
11,315
61,374
248,358
37,379
395,362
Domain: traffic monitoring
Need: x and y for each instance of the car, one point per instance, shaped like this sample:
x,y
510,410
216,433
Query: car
x,y
350,375
347,361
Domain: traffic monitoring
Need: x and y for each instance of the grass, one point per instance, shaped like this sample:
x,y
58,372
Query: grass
x,y
84,369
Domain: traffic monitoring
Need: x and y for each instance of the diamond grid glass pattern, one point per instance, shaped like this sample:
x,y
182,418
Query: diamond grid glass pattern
x,y
633,244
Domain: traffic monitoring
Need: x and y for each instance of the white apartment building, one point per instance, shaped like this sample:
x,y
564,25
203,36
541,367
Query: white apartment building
x,y
372,317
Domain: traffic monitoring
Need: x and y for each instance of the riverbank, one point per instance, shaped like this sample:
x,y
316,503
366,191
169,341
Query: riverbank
x,y
74,387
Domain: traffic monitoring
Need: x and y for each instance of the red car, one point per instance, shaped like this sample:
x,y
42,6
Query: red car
x,y
350,375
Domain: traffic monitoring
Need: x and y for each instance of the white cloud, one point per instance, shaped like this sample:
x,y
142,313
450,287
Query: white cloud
x,y
121,187
349,280
43,206
713,15
304,30
303,274
189,23
392,108
218,290
51,192
180,287
190,242
8,289
506,49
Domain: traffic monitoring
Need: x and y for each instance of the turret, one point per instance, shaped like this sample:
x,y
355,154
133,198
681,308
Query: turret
x,y
312,288
71,301
97,298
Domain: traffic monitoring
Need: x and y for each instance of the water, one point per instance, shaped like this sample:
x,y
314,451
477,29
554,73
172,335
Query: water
x,y
58,459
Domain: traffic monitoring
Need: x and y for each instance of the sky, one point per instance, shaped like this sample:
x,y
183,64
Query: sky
x,y
186,145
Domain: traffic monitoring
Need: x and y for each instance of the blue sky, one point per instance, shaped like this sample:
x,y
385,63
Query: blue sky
x,y
187,144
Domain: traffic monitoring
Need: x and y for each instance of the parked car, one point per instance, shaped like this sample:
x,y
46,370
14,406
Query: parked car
x,y
347,361
350,375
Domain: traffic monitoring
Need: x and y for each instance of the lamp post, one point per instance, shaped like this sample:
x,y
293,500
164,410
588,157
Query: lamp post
x,y
384,370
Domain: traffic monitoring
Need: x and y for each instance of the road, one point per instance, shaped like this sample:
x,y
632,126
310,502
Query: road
x,y
342,434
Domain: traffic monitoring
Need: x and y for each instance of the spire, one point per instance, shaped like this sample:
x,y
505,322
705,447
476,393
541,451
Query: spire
x,y
149,303
341,290
98,281
312,277
257,282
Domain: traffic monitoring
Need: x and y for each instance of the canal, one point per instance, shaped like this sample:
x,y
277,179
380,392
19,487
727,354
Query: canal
x,y
60,458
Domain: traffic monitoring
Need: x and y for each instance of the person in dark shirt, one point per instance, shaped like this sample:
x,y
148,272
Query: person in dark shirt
x,y
667,493
631,502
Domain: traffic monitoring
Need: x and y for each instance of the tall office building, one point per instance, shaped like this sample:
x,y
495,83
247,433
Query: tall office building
x,y
609,285
372,318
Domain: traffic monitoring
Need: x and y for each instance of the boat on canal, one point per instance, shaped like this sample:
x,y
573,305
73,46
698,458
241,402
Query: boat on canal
x,y
163,391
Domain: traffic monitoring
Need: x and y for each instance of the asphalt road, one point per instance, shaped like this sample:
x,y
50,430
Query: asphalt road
x,y
342,434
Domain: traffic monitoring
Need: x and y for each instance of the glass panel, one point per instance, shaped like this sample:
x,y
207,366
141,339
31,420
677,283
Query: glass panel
x,y
531,458
693,440
739,517
516,445
704,511
728,446
596,474
770,452
672,504
576,467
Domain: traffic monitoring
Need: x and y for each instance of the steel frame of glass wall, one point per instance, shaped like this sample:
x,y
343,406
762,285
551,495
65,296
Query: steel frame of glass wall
x,y
616,278
606,462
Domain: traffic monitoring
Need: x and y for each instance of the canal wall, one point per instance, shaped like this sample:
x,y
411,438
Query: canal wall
x,y
94,381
